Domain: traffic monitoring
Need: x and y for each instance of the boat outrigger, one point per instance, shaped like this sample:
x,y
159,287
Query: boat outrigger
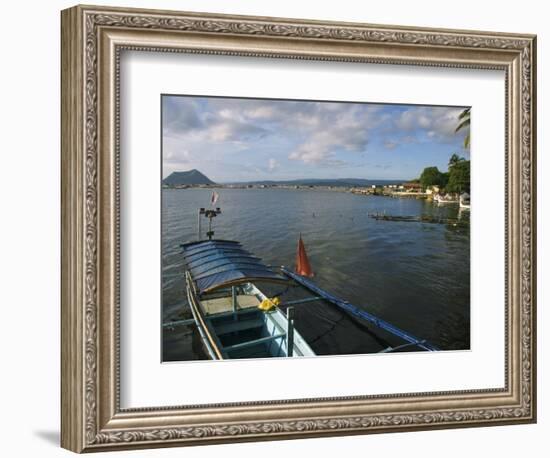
x,y
235,319
445,199
464,201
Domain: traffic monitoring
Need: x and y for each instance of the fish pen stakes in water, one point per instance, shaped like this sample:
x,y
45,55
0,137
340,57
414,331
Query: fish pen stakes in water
x,y
418,219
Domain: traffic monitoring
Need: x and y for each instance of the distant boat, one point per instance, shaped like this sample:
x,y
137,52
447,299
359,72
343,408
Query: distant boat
x,y
446,199
464,200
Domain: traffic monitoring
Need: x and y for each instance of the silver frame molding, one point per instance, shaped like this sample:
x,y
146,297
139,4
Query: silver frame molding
x,y
92,40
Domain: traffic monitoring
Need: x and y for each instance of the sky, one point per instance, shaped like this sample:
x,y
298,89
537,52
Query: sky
x,y
236,139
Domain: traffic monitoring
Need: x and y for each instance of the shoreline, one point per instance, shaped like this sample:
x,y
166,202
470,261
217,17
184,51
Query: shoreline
x,y
378,191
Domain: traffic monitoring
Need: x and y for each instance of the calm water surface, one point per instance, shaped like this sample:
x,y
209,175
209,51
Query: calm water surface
x,y
414,275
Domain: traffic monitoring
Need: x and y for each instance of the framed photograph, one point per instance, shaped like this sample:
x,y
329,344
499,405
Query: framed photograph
x,y
277,228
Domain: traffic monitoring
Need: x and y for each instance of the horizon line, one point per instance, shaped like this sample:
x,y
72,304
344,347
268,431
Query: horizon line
x,y
296,179
318,179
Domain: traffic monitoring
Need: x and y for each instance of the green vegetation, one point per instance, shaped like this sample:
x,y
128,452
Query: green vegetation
x,y
464,123
431,176
455,159
457,179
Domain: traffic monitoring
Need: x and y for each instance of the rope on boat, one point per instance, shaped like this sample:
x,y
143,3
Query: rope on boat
x,y
279,294
328,331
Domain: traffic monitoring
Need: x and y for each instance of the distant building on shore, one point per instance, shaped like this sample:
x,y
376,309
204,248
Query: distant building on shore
x,y
412,187
434,189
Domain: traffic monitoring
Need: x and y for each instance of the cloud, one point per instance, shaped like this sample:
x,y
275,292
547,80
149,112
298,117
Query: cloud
x,y
322,145
399,140
436,122
316,131
180,114
231,130
333,128
409,139
185,118
272,164
171,156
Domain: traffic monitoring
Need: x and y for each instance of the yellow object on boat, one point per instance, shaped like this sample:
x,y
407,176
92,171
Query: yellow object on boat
x,y
267,304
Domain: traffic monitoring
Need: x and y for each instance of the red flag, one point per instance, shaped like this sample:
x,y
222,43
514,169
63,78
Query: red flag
x,y
302,262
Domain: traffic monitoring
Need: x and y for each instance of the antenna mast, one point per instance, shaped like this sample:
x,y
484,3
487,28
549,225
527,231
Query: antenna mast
x,y
207,214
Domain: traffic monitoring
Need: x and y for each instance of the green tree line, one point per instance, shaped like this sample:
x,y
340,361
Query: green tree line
x,y
456,179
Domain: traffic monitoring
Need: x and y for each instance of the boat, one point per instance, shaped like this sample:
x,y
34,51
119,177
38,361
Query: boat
x,y
464,201
445,199
236,319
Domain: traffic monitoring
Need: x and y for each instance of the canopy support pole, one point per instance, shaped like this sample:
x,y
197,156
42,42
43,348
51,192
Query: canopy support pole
x,y
290,331
199,225
234,299
303,301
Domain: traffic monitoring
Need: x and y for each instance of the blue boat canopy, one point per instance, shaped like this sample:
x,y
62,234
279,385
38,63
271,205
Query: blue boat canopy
x,y
216,264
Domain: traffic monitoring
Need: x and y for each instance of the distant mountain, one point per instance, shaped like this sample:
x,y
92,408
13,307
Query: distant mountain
x,y
191,177
345,182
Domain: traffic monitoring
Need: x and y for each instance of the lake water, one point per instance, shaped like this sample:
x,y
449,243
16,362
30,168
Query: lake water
x,y
414,275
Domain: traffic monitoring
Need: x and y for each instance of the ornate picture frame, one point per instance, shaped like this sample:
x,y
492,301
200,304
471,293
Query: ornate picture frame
x,y
93,39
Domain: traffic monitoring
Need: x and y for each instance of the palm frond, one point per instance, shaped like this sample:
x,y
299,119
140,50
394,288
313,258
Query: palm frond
x,y
467,141
463,124
464,113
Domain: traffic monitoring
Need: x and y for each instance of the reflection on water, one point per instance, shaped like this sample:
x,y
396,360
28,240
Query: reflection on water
x,y
414,275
